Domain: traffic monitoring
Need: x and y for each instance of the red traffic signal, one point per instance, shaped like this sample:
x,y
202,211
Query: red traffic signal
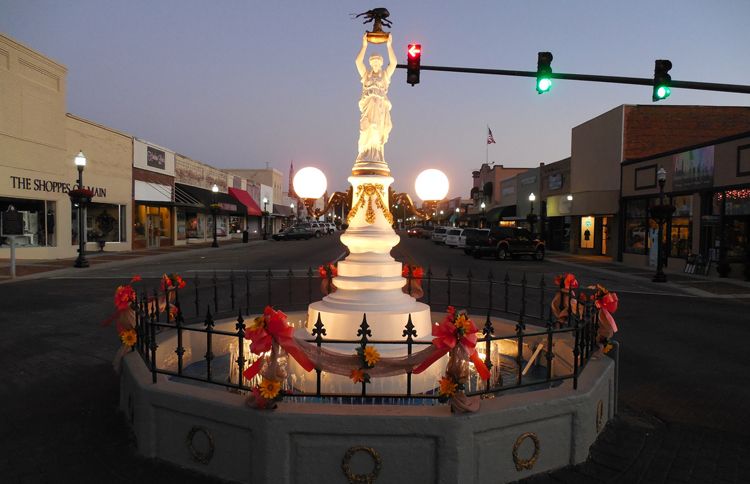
x,y
414,57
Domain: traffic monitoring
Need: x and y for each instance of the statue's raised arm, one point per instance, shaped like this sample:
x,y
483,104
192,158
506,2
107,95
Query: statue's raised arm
x,y
392,62
360,60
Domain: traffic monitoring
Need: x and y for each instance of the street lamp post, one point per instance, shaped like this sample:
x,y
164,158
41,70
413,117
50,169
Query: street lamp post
x,y
458,211
661,213
214,211
294,214
531,218
80,161
431,186
265,218
482,221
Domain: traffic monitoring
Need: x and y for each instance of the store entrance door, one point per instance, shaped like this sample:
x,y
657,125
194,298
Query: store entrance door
x,y
154,230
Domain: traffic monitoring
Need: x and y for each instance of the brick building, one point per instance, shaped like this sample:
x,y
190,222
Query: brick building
x,y
601,145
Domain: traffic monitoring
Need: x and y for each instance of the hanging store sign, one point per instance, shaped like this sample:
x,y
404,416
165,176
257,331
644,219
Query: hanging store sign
x,y
50,186
694,169
555,182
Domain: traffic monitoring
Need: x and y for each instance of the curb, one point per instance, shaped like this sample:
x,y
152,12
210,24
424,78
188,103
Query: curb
x,y
683,291
124,262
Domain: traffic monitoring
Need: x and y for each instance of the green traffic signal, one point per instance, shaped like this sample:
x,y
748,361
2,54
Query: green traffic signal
x,y
543,85
662,80
663,92
543,72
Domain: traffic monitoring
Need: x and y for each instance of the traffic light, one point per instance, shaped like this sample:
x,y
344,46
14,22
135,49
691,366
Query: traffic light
x,y
662,80
544,72
414,57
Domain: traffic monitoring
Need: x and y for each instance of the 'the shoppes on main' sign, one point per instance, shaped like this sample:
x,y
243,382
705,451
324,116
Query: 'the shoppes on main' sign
x,y
50,186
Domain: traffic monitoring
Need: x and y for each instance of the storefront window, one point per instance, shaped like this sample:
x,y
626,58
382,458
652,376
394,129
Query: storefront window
x,y
680,232
235,224
38,219
738,202
139,223
736,221
195,225
737,233
181,224
103,222
636,226
222,222
152,224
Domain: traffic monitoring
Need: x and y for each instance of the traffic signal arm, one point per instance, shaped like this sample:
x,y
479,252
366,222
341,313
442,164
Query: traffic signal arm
x,y
642,81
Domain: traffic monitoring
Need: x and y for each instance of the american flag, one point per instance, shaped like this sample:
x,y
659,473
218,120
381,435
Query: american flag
x,y
490,138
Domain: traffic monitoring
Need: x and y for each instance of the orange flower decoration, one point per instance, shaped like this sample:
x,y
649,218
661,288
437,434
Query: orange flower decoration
x,y
172,281
447,386
269,389
135,278
567,280
258,323
124,295
416,272
128,337
328,270
357,375
463,324
371,356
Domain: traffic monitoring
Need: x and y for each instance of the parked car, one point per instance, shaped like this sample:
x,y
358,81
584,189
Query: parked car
x,y
438,235
294,233
452,236
316,228
470,238
415,231
427,231
331,227
504,242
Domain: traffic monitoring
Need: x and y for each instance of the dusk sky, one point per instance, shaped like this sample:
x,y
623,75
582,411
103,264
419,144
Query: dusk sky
x,y
241,83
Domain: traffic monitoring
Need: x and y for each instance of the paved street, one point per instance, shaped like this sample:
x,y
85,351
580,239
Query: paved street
x,y
684,382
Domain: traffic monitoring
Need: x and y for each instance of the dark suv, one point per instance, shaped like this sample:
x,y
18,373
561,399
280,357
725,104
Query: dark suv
x,y
475,238
504,242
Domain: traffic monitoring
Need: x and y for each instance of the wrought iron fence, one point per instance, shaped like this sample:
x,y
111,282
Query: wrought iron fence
x,y
195,310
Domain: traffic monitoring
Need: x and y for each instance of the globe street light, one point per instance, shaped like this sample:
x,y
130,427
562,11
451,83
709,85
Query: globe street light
x,y
531,218
265,218
80,161
431,186
661,213
214,211
310,184
482,221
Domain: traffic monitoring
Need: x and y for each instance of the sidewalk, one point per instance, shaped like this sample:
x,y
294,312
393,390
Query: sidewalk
x,y
694,284
29,269
638,448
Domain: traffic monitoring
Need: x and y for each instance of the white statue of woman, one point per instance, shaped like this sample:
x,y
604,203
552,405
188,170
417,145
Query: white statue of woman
x,y
375,120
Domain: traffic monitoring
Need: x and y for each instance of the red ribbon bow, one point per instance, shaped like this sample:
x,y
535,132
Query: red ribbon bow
x,y
275,329
447,337
607,304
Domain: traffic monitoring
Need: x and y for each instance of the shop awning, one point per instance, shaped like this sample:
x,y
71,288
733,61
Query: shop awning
x,y
282,211
245,199
227,204
501,213
184,199
151,192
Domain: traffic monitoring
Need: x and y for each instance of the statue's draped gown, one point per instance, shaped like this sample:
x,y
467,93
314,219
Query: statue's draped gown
x,y
375,121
